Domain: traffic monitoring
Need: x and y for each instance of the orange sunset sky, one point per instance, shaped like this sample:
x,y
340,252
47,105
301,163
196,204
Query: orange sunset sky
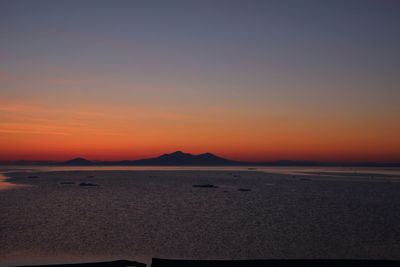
x,y
245,80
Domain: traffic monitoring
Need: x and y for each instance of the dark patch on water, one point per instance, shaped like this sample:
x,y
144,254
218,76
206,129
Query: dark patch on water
x,y
244,189
87,184
205,185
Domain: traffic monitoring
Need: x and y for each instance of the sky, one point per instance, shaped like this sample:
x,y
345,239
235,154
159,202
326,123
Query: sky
x,y
246,80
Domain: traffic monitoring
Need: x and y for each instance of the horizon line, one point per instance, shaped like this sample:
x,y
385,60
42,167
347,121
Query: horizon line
x,y
205,153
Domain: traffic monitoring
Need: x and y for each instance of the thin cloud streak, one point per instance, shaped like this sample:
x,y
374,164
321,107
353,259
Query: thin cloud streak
x,y
17,131
8,108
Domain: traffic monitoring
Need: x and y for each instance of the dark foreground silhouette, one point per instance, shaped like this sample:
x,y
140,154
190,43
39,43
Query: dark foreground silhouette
x,y
236,263
118,263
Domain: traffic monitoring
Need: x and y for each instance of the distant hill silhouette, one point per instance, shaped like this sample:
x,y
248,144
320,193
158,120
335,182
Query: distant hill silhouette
x,y
179,158
78,161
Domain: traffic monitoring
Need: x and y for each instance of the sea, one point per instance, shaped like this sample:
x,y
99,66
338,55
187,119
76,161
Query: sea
x,y
359,172
191,212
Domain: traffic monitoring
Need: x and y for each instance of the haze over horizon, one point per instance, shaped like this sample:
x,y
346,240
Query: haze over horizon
x,y
244,80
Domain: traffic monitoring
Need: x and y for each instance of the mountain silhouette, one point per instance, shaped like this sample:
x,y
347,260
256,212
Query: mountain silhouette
x,y
78,161
177,158
181,158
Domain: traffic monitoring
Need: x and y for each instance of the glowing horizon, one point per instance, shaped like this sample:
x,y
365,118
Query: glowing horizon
x,y
261,81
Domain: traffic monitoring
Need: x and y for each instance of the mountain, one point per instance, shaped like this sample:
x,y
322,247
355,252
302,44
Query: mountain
x,y
177,158
180,158
78,162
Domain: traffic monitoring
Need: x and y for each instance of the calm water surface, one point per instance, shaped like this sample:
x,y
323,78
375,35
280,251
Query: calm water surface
x,y
361,172
140,215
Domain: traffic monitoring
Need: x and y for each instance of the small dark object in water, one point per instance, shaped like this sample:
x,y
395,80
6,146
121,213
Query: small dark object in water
x,y
244,189
205,185
67,183
87,184
33,176
90,176
252,168
305,179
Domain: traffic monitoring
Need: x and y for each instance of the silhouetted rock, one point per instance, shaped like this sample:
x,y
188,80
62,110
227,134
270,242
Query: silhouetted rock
x,y
67,183
88,184
33,176
244,189
205,185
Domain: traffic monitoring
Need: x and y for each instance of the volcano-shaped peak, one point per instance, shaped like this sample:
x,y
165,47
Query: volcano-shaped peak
x,y
78,161
176,155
